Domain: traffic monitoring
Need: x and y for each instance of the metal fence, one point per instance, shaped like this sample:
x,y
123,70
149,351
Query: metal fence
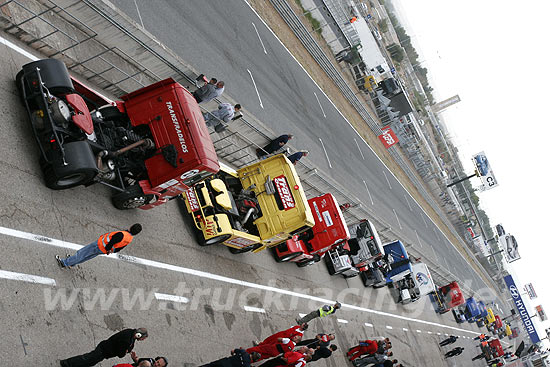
x,y
115,54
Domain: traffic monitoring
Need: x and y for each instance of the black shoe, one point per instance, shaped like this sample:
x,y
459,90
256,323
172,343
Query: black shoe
x,y
60,262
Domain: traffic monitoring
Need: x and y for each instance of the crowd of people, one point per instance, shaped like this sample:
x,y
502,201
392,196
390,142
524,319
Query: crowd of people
x,y
226,112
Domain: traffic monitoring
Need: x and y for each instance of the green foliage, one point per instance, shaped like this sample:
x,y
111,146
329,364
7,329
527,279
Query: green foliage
x,y
383,25
314,22
396,52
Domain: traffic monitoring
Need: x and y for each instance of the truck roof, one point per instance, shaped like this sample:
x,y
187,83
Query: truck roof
x,y
330,226
280,195
175,119
423,278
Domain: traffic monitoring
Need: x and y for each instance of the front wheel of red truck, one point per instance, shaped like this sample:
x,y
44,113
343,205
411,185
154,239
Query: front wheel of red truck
x,y
132,198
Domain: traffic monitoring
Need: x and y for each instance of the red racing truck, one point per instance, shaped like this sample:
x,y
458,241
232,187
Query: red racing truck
x,y
148,147
447,297
330,230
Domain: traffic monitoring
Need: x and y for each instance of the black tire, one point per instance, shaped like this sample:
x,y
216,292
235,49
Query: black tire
x,y
80,167
316,258
330,266
303,264
289,257
236,251
54,74
132,198
216,240
350,276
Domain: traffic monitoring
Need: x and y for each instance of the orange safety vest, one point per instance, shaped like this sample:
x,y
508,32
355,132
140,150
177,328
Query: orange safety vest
x,y
104,240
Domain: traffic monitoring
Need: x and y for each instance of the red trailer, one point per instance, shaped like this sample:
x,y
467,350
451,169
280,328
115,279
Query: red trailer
x,y
148,147
330,229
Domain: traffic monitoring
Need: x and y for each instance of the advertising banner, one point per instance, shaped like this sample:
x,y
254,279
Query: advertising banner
x,y
484,171
541,313
510,246
388,137
522,310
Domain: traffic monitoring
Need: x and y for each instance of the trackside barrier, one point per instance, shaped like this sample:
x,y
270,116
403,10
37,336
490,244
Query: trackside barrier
x,y
112,52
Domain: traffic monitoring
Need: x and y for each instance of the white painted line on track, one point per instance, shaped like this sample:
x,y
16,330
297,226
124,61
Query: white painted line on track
x,y
220,278
396,217
405,329
418,331
171,298
360,151
368,324
342,321
429,332
425,223
408,203
10,275
387,180
330,165
368,192
260,38
418,238
438,333
254,309
255,87
139,14
389,327
323,111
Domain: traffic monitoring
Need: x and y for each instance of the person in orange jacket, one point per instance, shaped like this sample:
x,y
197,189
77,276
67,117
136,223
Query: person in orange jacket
x,y
105,244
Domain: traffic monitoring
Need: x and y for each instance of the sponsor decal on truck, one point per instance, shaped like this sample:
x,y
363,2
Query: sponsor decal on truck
x,y
192,200
284,192
240,242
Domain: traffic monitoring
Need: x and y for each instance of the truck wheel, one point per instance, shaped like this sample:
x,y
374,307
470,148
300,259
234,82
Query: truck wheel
x,y
303,264
289,257
217,239
132,198
80,167
349,276
235,251
54,74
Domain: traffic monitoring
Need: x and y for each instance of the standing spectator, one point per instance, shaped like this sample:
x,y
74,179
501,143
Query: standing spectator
x,y
323,352
291,359
274,145
454,352
283,345
288,333
373,359
449,340
144,363
157,362
364,347
106,244
320,340
209,91
118,345
239,358
224,113
295,157
388,363
321,312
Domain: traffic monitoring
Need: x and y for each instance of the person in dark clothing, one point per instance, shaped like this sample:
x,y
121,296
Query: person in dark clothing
x,y
320,340
321,312
449,340
156,362
323,352
274,145
387,363
105,244
294,158
239,358
118,345
454,352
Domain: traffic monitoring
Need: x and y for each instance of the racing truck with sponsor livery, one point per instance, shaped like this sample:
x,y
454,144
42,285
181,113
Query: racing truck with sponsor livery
x,y
362,249
468,312
254,207
148,147
310,246
448,297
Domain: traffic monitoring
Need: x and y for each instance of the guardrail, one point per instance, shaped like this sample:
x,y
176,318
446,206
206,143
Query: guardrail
x,y
111,51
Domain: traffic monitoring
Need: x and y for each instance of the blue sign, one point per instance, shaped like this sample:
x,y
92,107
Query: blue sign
x,y
369,16
523,313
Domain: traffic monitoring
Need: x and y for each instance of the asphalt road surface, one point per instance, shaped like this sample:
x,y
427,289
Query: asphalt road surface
x,y
219,38
191,299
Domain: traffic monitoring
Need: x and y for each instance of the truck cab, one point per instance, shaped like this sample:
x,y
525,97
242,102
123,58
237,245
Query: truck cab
x,y
310,246
468,312
362,249
257,206
479,320
448,297
394,266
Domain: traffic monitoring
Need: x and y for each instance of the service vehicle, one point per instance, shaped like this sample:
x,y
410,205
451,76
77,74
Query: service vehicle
x,y
310,246
468,312
413,285
480,320
495,326
148,147
448,297
252,208
492,349
362,249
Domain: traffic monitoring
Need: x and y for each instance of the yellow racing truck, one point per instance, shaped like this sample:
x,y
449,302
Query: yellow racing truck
x,y
255,207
